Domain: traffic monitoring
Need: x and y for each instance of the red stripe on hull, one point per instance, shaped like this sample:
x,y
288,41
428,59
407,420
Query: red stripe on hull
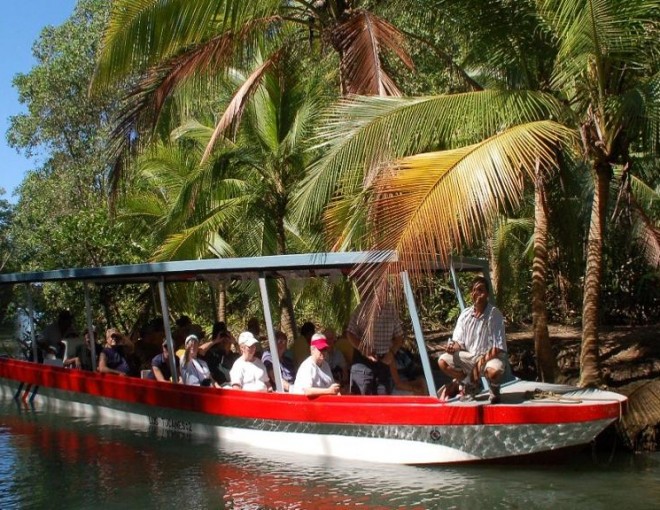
x,y
368,410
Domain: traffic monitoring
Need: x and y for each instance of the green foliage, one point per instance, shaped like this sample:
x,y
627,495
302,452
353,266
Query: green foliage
x,y
62,217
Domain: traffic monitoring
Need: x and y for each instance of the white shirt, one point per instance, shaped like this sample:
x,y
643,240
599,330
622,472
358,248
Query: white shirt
x,y
479,334
310,375
249,375
194,372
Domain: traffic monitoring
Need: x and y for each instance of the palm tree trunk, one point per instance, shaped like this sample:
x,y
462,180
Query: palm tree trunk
x,y
590,374
221,302
287,317
546,364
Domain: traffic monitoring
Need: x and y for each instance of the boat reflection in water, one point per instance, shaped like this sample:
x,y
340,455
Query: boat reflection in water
x,y
58,461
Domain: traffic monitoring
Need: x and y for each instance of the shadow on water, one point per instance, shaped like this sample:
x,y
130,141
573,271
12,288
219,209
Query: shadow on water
x,y
58,461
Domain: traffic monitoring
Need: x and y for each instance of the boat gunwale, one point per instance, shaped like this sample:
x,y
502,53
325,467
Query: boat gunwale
x,y
341,409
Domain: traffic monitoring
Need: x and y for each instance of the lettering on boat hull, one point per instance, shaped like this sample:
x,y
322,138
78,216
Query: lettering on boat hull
x,y
156,422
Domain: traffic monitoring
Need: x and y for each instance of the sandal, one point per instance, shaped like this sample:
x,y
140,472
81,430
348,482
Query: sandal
x,y
449,390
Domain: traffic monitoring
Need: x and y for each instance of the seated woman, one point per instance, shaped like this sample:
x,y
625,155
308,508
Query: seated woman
x,y
194,371
160,365
248,372
114,356
287,365
314,374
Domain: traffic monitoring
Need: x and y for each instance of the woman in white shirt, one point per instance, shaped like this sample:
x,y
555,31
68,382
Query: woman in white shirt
x,y
194,371
314,376
248,372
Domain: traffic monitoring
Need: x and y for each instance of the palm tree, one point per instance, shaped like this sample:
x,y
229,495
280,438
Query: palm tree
x,y
237,202
606,84
163,45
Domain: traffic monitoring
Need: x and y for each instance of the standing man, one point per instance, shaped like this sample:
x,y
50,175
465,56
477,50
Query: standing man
x,y
371,368
477,347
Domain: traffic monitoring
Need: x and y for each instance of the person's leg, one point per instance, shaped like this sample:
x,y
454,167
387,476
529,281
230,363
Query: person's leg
x,y
363,381
448,364
384,377
493,372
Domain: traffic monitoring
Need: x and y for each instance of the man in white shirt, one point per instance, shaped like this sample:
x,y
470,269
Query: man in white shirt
x,y
477,347
248,372
314,376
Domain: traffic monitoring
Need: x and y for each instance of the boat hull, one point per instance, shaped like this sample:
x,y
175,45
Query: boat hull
x,y
384,429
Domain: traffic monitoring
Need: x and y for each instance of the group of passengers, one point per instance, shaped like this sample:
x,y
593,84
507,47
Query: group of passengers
x,y
314,365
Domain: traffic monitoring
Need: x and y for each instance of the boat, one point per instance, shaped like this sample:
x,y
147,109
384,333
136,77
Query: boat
x,y
533,418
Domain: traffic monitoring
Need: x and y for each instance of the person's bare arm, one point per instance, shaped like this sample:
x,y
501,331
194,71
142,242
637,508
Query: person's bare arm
x,y
105,369
332,390
158,374
203,348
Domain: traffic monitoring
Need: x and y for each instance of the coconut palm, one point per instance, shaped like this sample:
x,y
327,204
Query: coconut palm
x,y
237,201
165,44
604,76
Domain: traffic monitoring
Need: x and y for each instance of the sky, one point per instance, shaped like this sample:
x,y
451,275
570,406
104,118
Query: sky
x,y
20,25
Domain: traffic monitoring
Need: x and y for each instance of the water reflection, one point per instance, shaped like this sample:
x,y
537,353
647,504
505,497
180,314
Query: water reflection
x,y
57,461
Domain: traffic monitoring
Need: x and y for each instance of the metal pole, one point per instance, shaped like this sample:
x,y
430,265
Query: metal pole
x,y
457,289
166,325
90,325
417,328
33,334
271,335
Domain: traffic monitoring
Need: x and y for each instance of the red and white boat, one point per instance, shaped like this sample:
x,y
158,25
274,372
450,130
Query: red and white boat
x,y
533,418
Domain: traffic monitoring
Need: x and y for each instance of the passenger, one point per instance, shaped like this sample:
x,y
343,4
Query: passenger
x,y
114,357
372,369
185,327
335,358
248,372
477,347
287,366
253,327
53,334
314,376
194,371
301,344
82,357
219,355
148,344
160,365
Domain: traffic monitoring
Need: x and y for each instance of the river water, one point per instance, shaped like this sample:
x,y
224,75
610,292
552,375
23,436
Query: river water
x,y
54,461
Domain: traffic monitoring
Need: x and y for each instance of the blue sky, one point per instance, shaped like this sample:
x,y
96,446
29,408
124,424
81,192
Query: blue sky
x,y
20,25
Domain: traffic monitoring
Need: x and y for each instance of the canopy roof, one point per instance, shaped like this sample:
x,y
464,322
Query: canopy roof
x,y
298,265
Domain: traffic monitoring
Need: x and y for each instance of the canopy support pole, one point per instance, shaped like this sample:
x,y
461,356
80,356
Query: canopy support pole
x,y
166,324
272,343
419,337
33,333
90,326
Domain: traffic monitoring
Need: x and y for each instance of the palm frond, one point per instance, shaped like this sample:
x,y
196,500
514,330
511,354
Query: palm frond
x,y
643,410
141,33
236,107
437,202
360,39
360,133
596,34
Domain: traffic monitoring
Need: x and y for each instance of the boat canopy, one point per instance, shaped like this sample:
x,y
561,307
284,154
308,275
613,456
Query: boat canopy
x,y
286,266
254,268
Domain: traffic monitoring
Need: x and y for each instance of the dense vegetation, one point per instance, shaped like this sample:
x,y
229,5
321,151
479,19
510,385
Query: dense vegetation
x,y
526,132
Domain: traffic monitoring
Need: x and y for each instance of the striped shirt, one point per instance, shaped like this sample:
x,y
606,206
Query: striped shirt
x,y
479,334
385,327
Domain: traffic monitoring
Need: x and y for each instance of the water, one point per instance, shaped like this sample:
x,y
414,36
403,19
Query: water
x,y
59,461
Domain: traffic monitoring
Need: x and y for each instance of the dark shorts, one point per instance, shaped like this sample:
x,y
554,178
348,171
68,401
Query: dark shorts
x,y
367,376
